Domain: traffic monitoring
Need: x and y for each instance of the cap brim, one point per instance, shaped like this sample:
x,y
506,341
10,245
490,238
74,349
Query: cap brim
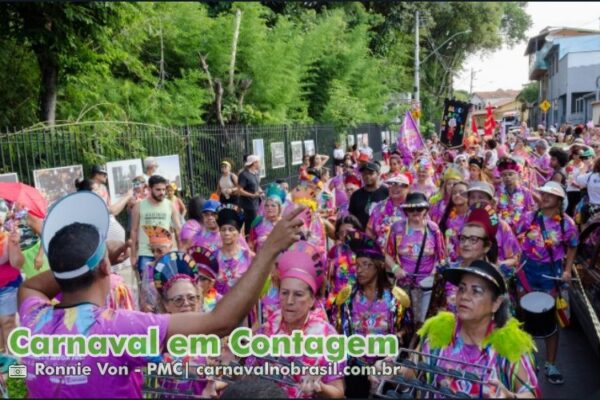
x,y
454,275
542,190
82,207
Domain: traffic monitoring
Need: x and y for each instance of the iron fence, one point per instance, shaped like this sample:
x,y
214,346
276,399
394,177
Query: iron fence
x,y
200,148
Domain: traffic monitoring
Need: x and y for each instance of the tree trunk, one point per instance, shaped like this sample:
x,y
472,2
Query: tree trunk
x,y
236,34
48,88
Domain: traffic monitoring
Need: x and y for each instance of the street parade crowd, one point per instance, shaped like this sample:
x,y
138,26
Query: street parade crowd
x,y
459,252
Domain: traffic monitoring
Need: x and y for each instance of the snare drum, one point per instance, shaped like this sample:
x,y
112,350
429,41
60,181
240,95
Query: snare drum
x,y
539,312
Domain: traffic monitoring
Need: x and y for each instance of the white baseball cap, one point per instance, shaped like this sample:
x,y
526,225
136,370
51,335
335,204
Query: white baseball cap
x,y
251,160
81,207
554,188
401,178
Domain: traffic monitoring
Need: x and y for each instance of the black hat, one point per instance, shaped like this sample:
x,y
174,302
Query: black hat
x,y
229,214
476,161
364,246
369,166
415,200
99,169
482,269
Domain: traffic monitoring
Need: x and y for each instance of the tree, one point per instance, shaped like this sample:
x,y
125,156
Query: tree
x,y
57,33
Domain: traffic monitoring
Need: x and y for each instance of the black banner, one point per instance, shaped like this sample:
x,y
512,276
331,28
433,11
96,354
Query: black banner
x,y
454,119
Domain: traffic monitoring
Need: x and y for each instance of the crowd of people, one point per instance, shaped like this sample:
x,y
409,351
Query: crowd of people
x,y
439,250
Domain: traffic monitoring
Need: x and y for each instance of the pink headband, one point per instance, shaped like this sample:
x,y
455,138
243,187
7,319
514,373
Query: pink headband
x,y
177,277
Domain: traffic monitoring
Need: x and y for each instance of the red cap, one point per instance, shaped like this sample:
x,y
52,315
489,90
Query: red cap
x,y
410,177
487,218
351,179
363,157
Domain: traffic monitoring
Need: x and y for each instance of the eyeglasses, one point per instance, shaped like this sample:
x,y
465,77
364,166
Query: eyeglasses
x,y
180,300
473,240
204,279
416,209
461,194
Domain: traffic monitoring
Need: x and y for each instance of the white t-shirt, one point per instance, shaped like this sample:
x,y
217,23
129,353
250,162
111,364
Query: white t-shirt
x,y
593,185
571,178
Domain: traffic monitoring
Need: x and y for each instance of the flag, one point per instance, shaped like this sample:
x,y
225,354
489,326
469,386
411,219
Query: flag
x,y
454,122
490,122
474,125
409,140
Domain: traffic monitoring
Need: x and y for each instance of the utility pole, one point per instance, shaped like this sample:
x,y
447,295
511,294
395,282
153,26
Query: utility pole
x,y
471,86
417,96
417,64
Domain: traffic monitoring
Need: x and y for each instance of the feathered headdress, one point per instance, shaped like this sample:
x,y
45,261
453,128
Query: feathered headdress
x,y
172,267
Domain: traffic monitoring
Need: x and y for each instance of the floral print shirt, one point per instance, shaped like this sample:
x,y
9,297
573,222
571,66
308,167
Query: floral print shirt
x,y
231,269
315,325
404,245
512,206
383,215
535,245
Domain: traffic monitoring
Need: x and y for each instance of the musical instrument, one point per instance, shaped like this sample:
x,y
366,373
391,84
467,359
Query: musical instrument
x,y
539,314
400,387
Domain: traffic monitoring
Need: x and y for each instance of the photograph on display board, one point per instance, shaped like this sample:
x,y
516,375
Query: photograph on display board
x,y
120,176
55,183
258,149
351,140
277,155
309,147
9,177
296,152
169,168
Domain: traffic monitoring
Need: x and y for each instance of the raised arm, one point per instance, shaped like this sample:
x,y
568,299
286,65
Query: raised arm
x,y
236,304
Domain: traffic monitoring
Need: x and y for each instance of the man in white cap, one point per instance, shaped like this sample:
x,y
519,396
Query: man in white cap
x,y
387,212
550,240
74,238
249,190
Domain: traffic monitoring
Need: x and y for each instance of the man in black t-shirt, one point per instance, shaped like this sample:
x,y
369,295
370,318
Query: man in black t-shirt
x,y
372,192
249,190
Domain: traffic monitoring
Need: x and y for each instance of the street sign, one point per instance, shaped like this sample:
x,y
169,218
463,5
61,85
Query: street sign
x,y
545,106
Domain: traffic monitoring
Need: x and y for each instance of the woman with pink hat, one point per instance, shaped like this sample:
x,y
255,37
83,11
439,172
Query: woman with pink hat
x,y
371,306
301,273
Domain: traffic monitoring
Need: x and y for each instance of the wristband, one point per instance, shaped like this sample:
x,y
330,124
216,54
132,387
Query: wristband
x,y
395,268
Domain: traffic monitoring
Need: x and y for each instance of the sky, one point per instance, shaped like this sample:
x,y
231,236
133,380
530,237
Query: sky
x,y
509,68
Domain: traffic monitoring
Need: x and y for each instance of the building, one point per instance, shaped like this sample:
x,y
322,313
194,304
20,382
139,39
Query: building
x,y
480,100
504,102
566,63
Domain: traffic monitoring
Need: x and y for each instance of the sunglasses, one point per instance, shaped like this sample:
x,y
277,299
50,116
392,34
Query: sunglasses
x,y
402,185
415,210
181,299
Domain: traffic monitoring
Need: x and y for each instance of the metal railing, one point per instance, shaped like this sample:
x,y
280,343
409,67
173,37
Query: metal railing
x,y
200,148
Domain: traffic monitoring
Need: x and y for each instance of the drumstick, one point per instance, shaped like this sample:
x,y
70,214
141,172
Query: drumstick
x,y
555,278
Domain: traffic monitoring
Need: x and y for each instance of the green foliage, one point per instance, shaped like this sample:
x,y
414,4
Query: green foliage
x,y
343,63
530,92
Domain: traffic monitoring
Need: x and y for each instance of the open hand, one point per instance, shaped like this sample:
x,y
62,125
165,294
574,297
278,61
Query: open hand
x,y
286,232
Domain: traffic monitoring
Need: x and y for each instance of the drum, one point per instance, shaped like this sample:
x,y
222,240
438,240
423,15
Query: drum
x,y
539,313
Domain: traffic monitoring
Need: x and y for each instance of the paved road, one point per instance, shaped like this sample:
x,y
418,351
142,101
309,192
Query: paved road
x,y
578,363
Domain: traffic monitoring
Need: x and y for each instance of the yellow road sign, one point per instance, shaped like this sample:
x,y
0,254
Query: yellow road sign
x,y
545,106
